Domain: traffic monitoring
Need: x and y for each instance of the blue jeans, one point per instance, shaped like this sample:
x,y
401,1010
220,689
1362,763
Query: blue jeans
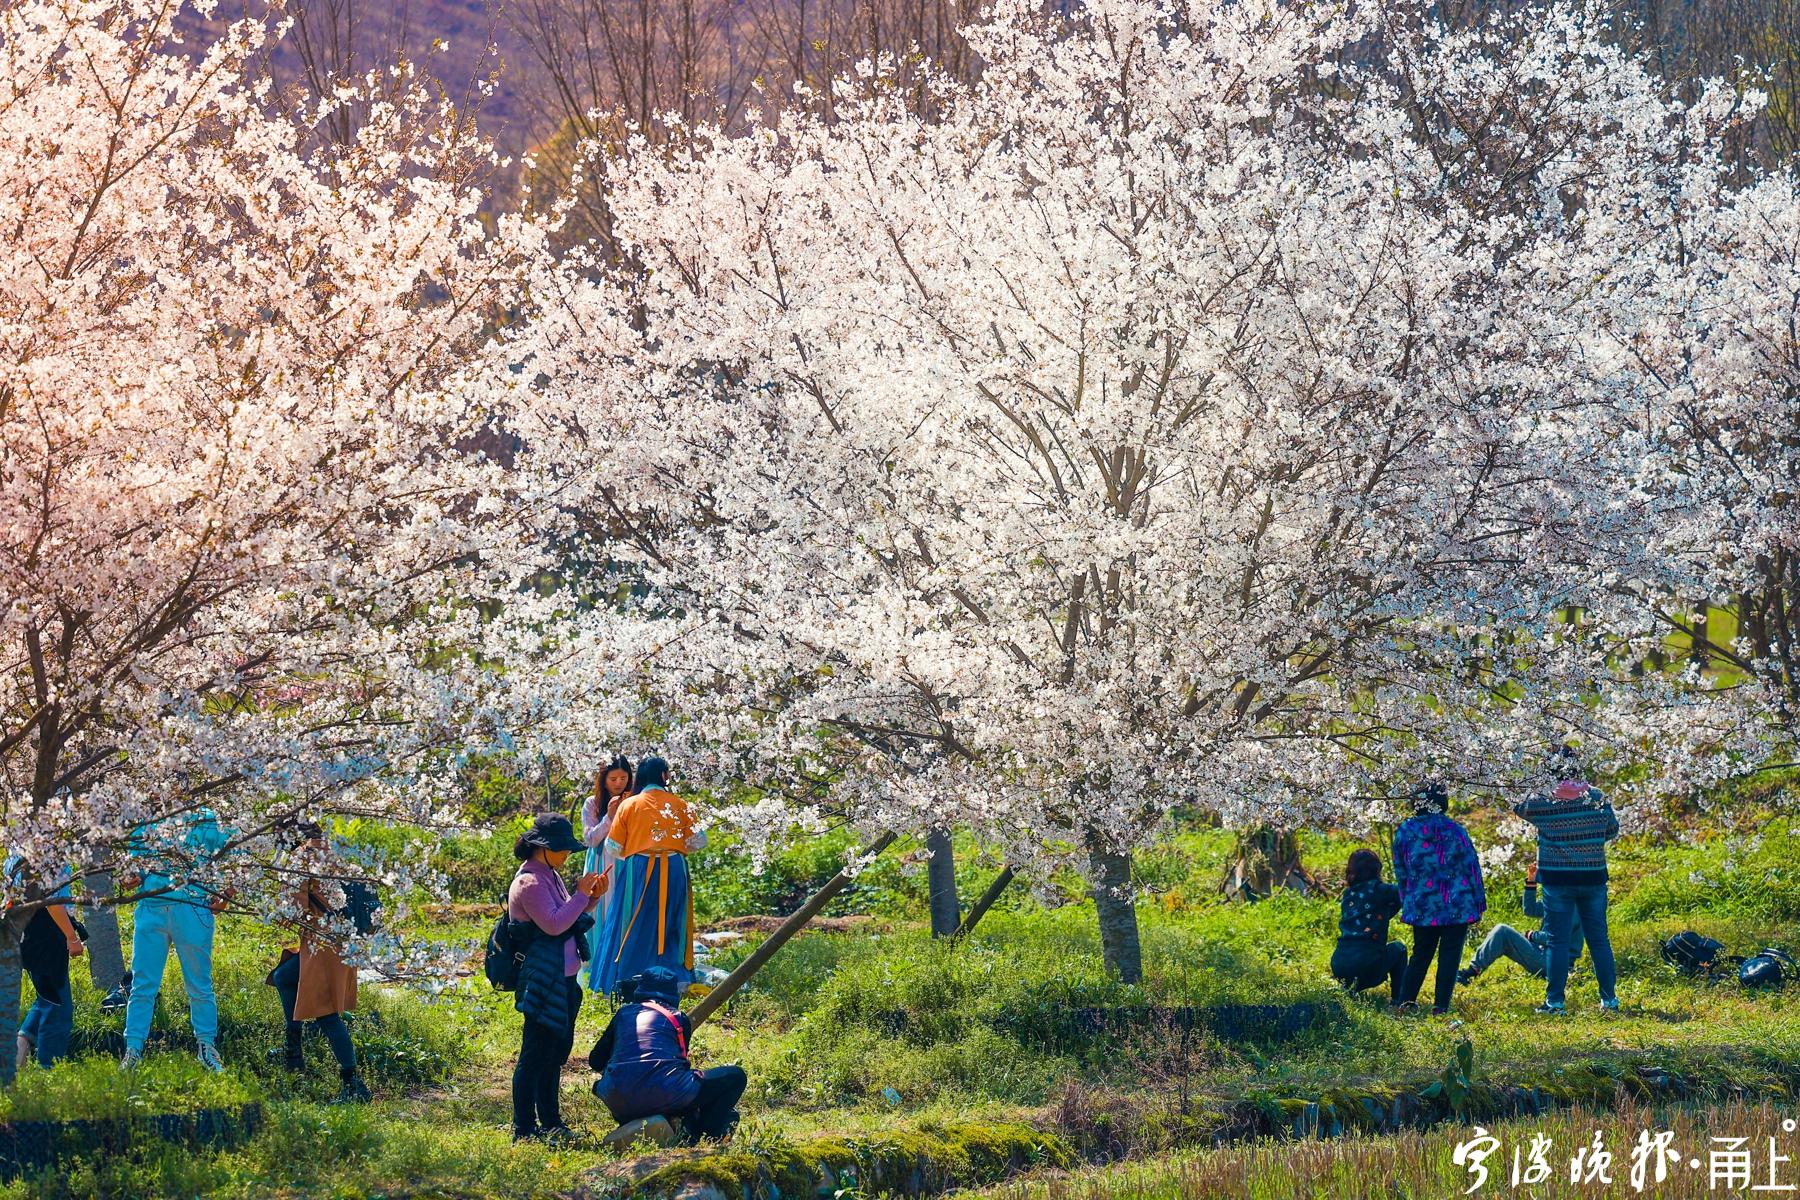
x,y
1562,902
1506,942
160,924
52,1017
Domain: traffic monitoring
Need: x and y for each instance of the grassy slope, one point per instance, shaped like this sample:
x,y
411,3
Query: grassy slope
x,y
1420,1166
955,1033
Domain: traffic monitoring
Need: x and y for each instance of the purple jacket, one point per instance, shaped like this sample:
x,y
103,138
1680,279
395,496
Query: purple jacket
x,y
1438,873
539,895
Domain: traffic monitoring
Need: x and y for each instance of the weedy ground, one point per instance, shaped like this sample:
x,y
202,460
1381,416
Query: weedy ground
x,y
878,1030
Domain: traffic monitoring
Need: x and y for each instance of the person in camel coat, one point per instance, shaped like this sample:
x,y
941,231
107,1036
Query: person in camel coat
x,y
314,982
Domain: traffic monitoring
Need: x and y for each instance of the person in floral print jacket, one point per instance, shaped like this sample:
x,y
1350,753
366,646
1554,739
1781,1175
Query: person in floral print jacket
x,y
1441,893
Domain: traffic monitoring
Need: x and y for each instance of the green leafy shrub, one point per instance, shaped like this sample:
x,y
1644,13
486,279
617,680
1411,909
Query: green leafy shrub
x,y
97,1089
726,883
477,869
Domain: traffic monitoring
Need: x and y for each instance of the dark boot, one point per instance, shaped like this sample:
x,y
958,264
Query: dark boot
x,y
354,1090
292,1058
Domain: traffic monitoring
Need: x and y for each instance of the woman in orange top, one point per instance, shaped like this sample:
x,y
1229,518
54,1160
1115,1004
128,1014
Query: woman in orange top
x,y
649,920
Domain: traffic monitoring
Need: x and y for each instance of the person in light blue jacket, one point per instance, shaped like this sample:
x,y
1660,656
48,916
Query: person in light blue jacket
x,y
174,913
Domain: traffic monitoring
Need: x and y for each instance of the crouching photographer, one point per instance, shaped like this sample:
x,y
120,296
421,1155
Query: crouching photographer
x,y
646,1074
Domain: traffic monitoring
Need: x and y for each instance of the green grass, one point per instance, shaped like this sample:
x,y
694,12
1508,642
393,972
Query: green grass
x,y
866,1033
1421,1166
94,1088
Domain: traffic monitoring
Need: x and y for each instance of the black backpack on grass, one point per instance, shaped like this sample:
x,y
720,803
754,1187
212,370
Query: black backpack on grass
x,y
1694,955
1767,968
505,952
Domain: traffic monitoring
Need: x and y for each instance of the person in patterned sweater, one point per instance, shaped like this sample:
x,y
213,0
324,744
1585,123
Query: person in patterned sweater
x,y
1574,823
1364,956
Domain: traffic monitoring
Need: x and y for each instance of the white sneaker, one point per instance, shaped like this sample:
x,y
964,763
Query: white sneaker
x,y
209,1057
132,1059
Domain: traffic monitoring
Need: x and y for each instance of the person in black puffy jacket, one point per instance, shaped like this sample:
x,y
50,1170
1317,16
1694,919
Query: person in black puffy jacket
x,y
1364,956
538,901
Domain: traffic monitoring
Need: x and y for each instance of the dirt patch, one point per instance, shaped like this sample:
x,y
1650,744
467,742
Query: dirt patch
x,y
458,912
761,923
765,924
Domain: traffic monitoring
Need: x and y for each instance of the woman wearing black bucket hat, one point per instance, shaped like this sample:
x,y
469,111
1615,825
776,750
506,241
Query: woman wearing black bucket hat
x,y
548,993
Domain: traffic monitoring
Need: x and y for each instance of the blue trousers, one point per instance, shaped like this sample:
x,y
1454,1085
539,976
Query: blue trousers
x,y
51,1018
1561,904
1506,942
188,928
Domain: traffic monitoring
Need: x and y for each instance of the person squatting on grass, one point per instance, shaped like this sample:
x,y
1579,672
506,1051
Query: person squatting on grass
x,y
1529,950
178,917
1574,823
314,982
1441,892
645,1071
50,939
548,993
1364,956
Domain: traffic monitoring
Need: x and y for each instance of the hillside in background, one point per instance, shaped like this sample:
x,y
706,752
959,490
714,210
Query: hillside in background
x,y
461,43
552,63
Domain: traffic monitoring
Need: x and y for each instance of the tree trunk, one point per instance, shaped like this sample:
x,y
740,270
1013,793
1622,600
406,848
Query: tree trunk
x,y
105,952
11,975
1700,645
979,909
711,1002
1267,859
940,874
1111,889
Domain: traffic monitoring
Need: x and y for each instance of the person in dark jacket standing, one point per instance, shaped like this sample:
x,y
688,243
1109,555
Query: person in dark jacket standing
x,y
548,993
645,1071
1574,823
1441,893
1364,956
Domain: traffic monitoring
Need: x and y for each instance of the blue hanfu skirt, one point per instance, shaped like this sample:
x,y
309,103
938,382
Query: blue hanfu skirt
x,y
648,922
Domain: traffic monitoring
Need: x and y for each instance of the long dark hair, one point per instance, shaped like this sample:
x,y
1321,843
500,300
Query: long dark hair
x,y
1363,866
619,763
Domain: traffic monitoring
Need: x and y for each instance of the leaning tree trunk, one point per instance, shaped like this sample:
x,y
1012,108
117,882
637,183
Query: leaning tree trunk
x,y
1111,871
979,909
713,1000
1267,859
105,952
12,971
940,874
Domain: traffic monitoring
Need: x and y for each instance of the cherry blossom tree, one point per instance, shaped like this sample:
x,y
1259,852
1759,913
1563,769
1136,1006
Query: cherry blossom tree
x,y
252,507
1193,414
1712,608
